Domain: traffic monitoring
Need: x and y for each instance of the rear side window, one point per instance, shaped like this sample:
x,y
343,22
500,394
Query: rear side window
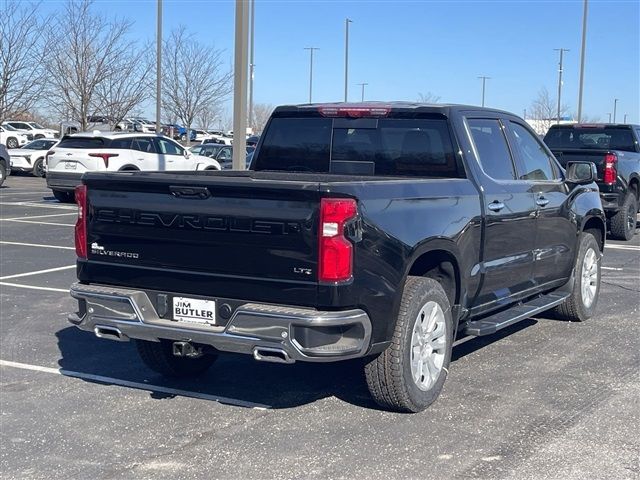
x,y
121,143
386,146
83,142
144,144
492,148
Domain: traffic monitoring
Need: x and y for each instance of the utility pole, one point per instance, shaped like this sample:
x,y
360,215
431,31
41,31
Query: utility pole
x,y
582,50
362,85
251,65
240,85
615,107
561,50
159,68
524,116
346,57
609,117
311,49
625,119
484,81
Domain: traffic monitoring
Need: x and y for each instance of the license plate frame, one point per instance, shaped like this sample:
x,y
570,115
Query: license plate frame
x,y
193,311
70,165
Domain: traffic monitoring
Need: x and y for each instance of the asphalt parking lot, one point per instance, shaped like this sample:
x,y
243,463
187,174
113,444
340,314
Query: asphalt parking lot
x,y
543,399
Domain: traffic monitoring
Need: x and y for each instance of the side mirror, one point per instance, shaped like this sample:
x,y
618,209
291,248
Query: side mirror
x,y
580,173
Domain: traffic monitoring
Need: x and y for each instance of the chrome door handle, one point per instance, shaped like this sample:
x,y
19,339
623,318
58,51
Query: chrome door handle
x,y
495,206
541,201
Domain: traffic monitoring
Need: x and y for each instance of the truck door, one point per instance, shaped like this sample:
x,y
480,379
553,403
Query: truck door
x,y
510,216
555,238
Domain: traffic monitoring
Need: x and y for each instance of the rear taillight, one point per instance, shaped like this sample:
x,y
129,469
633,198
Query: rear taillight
x,y
610,173
81,223
104,156
335,250
47,155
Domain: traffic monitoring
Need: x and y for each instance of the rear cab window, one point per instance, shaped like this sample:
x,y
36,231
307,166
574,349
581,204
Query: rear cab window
x,y
360,146
594,137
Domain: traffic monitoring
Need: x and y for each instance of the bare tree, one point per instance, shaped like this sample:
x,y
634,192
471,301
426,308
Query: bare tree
x,y
428,98
124,91
21,54
206,116
85,51
544,111
261,113
191,85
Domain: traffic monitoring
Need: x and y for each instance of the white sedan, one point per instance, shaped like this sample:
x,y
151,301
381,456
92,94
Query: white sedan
x,y
30,158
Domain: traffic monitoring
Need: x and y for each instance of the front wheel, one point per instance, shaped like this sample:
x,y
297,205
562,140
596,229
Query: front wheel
x,y
623,223
408,376
159,357
38,168
12,143
581,304
3,173
183,137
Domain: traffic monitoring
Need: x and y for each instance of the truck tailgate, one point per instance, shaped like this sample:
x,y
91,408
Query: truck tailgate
x,y
582,155
208,234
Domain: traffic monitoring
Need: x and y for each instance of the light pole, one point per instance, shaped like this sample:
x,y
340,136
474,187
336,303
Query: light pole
x,y
240,75
346,56
615,107
362,85
311,49
159,67
251,65
609,117
484,81
582,50
561,50
625,119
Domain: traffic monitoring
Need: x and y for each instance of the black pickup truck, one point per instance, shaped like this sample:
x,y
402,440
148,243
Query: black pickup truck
x,y
615,151
380,231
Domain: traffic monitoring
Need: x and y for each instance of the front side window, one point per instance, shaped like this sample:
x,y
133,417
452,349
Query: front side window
x,y
492,148
167,147
225,154
535,159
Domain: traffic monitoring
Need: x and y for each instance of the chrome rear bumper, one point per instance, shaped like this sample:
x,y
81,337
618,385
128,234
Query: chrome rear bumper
x,y
302,334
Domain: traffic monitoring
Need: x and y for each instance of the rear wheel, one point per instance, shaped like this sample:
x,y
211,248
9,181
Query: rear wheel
x,y
581,304
12,142
409,375
623,223
159,357
38,168
64,197
3,173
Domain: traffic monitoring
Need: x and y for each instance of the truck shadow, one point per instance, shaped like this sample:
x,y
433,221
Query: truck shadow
x,y
236,377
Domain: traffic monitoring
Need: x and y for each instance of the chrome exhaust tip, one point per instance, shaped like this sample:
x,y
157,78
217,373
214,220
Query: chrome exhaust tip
x,y
110,333
269,354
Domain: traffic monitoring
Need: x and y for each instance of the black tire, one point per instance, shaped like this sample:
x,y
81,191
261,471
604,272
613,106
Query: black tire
x,y
3,173
183,137
576,308
623,223
64,197
159,357
12,142
38,168
38,137
389,375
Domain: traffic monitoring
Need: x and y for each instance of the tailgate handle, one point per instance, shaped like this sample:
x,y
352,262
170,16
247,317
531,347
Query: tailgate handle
x,y
190,192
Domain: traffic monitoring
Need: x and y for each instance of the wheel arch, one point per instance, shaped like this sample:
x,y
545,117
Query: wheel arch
x,y
597,227
439,260
128,168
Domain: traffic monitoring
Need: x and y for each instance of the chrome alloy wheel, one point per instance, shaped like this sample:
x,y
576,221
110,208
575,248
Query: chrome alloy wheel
x,y
589,280
428,345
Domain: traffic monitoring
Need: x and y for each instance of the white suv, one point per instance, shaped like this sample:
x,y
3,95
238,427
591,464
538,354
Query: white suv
x,y
115,152
33,128
12,138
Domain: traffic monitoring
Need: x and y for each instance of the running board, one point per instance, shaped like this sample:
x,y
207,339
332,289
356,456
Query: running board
x,y
522,311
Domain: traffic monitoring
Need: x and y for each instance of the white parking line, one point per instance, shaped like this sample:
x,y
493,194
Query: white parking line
x,y
623,247
9,194
36,245
44,204
33,287
39,216
612,268
37,223
37,272
137,385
